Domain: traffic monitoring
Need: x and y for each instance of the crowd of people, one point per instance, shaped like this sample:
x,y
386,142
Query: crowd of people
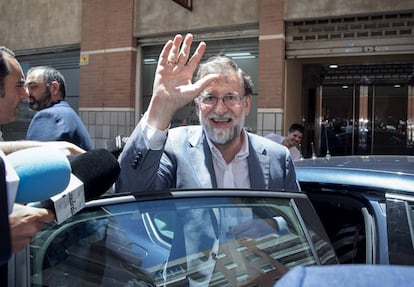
x,y
217,153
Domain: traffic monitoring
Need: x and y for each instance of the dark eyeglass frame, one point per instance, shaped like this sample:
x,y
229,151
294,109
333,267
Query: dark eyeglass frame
x,y
229,100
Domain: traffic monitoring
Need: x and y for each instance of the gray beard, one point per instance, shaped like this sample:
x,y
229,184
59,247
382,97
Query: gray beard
x,y
35,106
222,136
44,103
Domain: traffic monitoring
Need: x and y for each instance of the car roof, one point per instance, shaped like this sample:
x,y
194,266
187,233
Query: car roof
x,y
391,172
389,163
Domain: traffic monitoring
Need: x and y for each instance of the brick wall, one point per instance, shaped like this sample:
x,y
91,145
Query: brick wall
x,y
108,80
271,66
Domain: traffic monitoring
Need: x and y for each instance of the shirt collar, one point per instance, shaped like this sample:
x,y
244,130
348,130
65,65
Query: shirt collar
x,y
241,155
54,103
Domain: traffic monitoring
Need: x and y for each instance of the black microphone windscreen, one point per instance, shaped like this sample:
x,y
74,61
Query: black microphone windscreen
x,y
98,169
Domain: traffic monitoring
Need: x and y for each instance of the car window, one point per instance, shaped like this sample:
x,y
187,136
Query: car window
x,y
410,208
228,241
400,215
348,222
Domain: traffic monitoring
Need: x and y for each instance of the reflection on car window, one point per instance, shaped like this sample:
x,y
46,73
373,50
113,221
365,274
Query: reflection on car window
x,y
411,221
400,230
209,241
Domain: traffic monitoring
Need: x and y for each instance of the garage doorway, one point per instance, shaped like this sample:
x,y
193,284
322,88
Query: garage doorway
x,y
363,120
359,109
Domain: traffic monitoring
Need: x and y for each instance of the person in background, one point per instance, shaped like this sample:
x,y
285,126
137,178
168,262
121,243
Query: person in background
x,y
12,93
291,141
55,119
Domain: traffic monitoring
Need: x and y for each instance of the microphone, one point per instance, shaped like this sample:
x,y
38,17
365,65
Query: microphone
x,y
93,173
41,173
98,169
51,180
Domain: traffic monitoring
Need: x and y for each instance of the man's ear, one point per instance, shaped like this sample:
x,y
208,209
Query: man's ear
x,y
54,89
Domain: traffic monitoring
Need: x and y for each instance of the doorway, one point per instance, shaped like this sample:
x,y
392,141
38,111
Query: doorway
x,y
362,119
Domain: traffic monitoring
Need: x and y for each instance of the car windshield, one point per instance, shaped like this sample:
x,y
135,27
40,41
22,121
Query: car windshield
x,y
227,241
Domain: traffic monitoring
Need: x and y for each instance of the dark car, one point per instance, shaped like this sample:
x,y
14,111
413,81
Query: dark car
x,y
224,237
366,204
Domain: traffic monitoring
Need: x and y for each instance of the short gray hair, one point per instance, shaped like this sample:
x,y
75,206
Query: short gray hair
x,y
221,65
50,75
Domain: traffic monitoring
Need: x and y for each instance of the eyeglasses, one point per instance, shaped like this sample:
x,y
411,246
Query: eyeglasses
x,y
229,100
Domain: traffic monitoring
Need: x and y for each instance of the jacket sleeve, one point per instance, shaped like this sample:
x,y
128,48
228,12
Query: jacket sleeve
x,y
140,166
46,127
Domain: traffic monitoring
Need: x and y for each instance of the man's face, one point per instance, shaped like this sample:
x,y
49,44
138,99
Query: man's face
x,y
223,123
14,92
39,93
294,138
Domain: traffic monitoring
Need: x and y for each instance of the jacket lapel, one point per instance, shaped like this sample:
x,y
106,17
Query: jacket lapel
x,y
199,153
259,166
201,159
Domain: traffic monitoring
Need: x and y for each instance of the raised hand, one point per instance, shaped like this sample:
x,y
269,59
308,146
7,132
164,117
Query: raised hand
x,y
173,87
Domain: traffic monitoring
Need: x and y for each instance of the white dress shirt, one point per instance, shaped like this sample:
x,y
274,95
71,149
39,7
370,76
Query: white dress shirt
x,y
234,174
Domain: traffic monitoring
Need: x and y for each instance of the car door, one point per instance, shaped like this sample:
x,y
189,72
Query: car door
x,y
209,237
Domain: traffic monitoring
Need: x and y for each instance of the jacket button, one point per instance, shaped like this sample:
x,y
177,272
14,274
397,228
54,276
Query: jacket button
x,y
137,160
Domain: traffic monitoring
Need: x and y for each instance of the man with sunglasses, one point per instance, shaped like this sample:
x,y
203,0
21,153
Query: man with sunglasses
x,y
218,153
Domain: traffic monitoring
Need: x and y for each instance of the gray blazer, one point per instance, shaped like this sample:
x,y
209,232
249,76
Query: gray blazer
x,y
186,162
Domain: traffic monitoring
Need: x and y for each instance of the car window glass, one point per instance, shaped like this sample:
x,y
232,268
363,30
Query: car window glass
x,y
226,241
400,230
410,207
